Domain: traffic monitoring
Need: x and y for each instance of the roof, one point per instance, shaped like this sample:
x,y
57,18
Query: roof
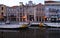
x,y
38,5
52,1
2,5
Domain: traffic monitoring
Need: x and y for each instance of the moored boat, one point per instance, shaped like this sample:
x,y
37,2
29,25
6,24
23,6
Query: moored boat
x,y
52,24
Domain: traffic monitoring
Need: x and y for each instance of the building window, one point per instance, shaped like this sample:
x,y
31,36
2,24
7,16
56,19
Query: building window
x,y
1,8
53,10
2,13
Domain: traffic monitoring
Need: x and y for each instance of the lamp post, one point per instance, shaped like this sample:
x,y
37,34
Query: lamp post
x,y
7,21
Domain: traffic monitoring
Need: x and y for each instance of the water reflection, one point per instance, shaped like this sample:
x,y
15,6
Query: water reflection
x,y
31,33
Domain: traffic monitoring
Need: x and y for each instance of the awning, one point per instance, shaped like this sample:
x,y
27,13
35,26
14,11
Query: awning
x,y
24,17
44,17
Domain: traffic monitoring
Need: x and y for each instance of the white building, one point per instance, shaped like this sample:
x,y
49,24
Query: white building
x,y
52,10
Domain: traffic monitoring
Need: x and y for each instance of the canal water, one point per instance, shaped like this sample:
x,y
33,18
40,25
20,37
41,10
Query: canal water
x,y
31,33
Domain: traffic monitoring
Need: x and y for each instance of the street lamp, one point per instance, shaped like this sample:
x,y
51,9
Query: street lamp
x,y
7,21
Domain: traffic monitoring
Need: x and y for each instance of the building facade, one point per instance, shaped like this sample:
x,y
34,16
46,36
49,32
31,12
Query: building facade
x,y
52,10
2,12
12,13
23,13
35,12
40,12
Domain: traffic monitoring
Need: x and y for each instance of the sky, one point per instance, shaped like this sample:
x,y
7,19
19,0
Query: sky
x,y
16,2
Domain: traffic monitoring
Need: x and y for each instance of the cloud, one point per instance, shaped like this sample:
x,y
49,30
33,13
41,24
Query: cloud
x,y
16,2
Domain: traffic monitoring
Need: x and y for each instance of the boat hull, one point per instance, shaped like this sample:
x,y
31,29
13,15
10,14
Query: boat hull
x,y
52,25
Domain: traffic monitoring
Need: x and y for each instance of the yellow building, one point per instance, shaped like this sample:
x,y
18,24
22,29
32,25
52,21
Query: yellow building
x,y
2,12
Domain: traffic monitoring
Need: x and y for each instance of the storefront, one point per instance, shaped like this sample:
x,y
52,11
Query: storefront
x,y
1,18
54,19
